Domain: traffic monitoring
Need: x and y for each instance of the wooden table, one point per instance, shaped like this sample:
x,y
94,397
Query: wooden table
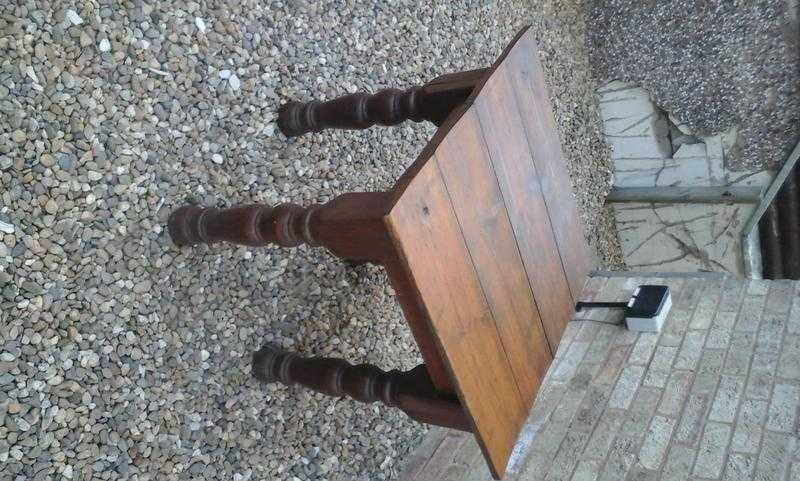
x,y
480,238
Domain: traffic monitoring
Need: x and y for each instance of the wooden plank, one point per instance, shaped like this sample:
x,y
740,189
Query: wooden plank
x,y
481,211
451,120
418,322
430,242
528,85
520,183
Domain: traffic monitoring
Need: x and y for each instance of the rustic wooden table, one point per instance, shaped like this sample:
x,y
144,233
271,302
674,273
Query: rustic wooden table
x,y
480,238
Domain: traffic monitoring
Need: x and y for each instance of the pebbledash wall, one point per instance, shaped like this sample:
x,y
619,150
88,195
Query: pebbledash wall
x,y
678,205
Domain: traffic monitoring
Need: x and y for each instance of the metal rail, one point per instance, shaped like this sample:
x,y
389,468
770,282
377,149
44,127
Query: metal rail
x,y
779,234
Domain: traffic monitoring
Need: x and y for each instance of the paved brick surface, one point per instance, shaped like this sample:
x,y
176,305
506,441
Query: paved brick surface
x,y
715,395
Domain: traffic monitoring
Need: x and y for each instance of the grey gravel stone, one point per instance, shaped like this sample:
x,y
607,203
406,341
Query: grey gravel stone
x,y
73,17
19,136
65,161
47,160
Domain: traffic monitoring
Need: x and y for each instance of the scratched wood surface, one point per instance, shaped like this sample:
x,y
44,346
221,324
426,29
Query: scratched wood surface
x,y
491,253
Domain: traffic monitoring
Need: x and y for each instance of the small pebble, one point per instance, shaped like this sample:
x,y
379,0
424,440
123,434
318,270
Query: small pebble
x,y
234,82
73,17
47,160
51,206
84,39
22,424
65,162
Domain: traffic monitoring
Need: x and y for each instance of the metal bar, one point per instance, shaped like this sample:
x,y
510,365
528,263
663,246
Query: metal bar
x,y
751,227
771,243
707,275
579,306
789,227
751,254
686,195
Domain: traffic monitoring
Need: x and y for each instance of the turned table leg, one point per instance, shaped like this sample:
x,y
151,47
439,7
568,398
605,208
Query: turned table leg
x,y
432,102
410,391
351,225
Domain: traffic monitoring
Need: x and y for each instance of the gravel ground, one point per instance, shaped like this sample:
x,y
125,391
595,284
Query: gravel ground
x,y
123,357
560,27
713,64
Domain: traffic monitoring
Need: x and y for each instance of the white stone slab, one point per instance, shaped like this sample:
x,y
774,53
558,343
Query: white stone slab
x,y
633,126
682,237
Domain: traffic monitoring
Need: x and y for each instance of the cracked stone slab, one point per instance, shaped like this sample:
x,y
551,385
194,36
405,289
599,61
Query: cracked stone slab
x,y
682,237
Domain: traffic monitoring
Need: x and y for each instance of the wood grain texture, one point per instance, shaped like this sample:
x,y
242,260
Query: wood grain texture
x,y
419,323
524,69
430,242
482,214
519,181
351,225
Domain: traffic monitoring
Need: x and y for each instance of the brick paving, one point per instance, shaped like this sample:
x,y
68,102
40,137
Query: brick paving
x,y
715,395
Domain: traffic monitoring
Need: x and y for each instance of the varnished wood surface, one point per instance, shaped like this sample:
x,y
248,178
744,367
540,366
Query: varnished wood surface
x,y
439,263
418,321
517,175
351,225
490,246
536,112
481,210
